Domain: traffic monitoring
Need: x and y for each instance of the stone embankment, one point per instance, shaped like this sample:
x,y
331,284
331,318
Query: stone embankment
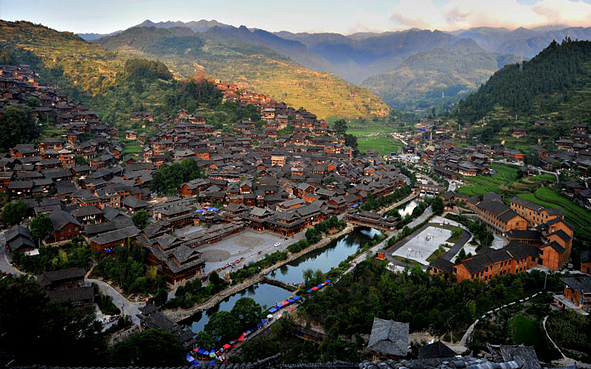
x,y
181,314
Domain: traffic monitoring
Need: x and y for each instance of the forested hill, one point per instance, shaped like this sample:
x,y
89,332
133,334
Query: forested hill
x,y
90,73
222,54
557,82
423,78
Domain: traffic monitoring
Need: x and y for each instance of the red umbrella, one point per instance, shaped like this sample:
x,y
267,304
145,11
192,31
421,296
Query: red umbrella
x,y
285,303
315,288
196,349
241,338
226,346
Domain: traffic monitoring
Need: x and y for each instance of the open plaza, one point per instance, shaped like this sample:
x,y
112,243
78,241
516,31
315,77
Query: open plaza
x,y
420,247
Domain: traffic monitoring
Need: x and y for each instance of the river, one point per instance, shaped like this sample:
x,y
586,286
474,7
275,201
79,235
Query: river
x,y
406,209
267,295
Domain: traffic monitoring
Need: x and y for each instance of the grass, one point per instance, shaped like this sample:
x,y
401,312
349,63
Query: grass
x,y
406,260
527,331
502,182
383,144
576,215
436,254
131,148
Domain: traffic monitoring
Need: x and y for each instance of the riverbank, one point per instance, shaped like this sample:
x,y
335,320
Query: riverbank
x,y
181,314
408,198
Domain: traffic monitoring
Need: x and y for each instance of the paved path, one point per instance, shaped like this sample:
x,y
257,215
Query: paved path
x,y
180,314
408,198
458,245
6,266
127,307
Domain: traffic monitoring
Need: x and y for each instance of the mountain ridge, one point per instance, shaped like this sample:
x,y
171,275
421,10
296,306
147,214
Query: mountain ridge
x,y
554,85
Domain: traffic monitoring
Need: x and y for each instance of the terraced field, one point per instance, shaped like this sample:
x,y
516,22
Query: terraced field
x,y
576,215
383,144
505,181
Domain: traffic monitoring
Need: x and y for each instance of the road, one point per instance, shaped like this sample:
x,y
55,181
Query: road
x,y
458,245
127,307
6,266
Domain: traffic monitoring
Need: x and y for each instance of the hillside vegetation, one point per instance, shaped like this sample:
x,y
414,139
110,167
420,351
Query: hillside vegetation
x,y
437,76
90,73
71,59
557,81
256,67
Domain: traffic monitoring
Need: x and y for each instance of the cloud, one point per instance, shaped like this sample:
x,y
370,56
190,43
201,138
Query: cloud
x,y
459,14
418,14
573,13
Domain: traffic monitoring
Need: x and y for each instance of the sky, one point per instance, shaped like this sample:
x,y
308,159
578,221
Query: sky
x,y
341,16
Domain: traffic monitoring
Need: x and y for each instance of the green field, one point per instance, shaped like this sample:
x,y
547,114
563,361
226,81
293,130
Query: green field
x,y
527,332
576,215
499,182
383,144
505,181
131,148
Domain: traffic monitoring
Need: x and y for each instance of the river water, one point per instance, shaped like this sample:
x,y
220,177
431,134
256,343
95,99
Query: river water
x,y
406,209
267,295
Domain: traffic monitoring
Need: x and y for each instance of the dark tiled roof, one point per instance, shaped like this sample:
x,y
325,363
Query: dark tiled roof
x,y
436,350
525,234
389,337
527,204
60,275
60,219
578,282
443,265
74,294
116,235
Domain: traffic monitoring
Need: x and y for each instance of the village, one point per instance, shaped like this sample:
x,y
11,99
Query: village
x,y
254,191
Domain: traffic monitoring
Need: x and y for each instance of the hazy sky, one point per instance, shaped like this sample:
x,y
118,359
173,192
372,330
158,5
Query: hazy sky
x,y
344,16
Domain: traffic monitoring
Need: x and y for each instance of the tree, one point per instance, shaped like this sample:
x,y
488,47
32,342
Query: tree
x,y
17,125
140,218
41,226
351,141
259,348
152,347
341,127
28,320
248,312
13,212
223,327
438,206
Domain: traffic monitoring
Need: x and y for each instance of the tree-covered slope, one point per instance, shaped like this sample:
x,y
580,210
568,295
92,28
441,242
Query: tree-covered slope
x,y
441,75
72,60
256,67
557,81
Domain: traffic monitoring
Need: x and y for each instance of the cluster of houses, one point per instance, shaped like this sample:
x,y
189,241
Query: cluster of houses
x,y
279,184
534,236
432,143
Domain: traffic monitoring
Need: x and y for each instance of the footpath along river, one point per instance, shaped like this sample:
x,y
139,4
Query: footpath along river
x,y
267,295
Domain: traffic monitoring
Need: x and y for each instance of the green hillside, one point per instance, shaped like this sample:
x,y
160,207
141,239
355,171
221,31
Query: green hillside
x,y
71,60
437,77
256,67
556,84
91,73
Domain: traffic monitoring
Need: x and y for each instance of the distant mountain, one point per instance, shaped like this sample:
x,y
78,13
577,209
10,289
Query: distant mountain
x,y
236,55
90,36
522,41
403,66
196,26
556,83
441,75
360,56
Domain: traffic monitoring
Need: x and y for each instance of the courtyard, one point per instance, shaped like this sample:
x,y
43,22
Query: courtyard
x,y
421,246
236,250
